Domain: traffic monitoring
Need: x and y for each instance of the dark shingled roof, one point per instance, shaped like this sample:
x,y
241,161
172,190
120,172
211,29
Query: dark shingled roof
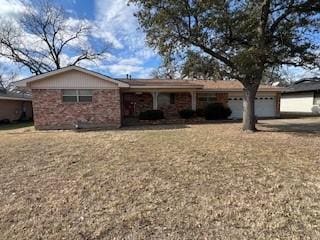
x,y
14,95
305,85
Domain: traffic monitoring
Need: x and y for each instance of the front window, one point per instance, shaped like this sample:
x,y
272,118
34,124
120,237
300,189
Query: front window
x,y
77,95
316,98
165,99
206,98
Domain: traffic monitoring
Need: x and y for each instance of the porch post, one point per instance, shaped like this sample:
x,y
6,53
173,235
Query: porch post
x,y
194,101
155,100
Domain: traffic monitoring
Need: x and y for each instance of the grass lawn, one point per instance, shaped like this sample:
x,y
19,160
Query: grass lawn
x,y
174,182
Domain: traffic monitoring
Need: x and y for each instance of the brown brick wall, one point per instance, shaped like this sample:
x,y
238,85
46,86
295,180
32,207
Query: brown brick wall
x,y
182,101
51,113
144,102
134,103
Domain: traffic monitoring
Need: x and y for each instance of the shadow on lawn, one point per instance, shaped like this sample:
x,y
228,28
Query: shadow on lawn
x,y
14,126
294,128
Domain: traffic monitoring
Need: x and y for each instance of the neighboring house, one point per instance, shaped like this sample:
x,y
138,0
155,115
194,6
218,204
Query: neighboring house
x,y
75,97
302,98
14,106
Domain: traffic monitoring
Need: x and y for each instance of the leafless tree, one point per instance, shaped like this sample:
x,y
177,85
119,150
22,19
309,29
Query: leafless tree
x,y
44,36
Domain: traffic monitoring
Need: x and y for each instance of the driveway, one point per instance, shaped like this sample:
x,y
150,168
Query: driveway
x,y
298,125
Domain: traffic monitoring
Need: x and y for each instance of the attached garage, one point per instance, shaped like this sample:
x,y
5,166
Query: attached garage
x,y
265,105
74,97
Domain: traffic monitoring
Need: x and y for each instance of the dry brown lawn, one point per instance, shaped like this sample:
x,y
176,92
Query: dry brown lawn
x,y
174,182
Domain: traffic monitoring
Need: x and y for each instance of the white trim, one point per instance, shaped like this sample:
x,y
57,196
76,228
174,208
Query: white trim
x,y
77,94
167,87
238,90
194,101
197,89
155,100
24,82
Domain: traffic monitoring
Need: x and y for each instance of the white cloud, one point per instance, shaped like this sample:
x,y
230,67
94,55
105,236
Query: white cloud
x,y
114,24
108,37
5,61
120,70
11,7
297,73
145,73
119,26
131,61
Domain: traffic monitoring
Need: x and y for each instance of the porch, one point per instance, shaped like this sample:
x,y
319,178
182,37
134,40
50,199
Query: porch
x,y
170,103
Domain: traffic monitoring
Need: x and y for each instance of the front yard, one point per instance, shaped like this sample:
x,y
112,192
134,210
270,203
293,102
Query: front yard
x,y
162,182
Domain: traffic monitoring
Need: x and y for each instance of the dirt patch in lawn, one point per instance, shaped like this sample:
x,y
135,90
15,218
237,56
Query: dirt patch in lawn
x,y
191,182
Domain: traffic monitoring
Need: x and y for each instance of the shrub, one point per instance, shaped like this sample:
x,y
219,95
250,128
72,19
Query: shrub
x,y
200,112
216,111
151,115
4,121
187,113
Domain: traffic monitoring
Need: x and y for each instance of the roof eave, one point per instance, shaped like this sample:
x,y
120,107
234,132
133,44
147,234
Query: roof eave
x,y
166,87
15,99
240,90
25,82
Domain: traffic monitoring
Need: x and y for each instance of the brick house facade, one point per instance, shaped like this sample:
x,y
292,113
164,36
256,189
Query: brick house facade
x,y
74,97
134,103
181,101
50,112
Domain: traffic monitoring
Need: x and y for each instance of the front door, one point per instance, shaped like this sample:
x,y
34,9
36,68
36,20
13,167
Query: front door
x,y
129,104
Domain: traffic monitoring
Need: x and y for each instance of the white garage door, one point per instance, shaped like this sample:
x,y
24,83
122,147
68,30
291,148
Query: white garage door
x,y
265,106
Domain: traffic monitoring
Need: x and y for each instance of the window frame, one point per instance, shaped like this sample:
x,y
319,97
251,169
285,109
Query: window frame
x,y
207,98
77,94
165,99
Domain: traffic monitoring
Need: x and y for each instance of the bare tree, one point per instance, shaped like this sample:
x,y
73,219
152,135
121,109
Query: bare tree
x,y
6,79
43,37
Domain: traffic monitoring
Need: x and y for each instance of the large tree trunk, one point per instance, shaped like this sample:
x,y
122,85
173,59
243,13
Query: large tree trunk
x,y
249,118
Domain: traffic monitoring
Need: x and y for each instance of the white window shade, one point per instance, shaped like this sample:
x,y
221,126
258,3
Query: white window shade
x,y
77,95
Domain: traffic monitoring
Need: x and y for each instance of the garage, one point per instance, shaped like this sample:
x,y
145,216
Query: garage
x,y
265,106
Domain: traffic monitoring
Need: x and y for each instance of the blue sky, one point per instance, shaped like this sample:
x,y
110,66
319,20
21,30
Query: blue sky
x,y
116,26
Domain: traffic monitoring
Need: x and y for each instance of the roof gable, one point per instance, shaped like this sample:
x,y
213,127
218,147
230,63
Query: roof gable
x,y
43,80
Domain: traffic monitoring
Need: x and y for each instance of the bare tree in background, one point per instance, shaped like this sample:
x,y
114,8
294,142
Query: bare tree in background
x,y
42,37
6,79
246,37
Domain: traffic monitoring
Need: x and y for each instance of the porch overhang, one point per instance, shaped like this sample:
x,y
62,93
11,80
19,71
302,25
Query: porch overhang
x,y
151,89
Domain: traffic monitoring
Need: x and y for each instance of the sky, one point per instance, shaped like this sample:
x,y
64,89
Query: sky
x,y
116,26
